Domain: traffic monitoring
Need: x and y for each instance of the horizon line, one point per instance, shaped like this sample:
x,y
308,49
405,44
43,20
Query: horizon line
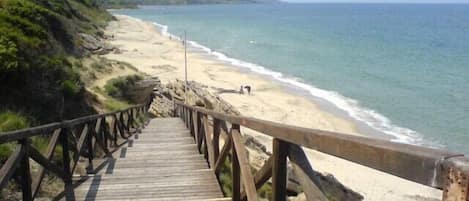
x,y
367,2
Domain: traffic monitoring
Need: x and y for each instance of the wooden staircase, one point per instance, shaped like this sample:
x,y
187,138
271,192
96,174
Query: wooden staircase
x,y
162,163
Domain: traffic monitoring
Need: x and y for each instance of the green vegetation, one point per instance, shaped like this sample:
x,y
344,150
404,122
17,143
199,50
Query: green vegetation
x,y
43,71
37,38
112,104
12,121
118,87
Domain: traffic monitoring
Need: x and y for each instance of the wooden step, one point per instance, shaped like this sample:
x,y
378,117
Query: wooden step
x,y
161,163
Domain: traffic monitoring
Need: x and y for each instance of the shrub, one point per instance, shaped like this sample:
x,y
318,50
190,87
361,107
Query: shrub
x,y
8,54
118,87
10,121
111,104
70,88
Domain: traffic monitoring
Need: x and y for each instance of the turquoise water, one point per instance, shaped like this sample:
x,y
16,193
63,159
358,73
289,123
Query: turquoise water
x,y
401,69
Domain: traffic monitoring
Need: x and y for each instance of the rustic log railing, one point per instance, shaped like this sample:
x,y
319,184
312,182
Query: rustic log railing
x,y
78,138
431,167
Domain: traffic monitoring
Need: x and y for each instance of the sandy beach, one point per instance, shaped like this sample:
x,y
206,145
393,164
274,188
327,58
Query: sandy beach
x,y
143,46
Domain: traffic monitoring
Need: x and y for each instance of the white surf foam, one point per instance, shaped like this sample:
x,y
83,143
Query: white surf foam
x,y
352,107
164,31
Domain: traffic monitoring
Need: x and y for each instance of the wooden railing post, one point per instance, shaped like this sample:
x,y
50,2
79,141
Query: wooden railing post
x,y
25,173
68,188
236,170
191,122
181,112
130,118
194,125
89,143
199,132
121,120
279,170
174,109
65,152
216,138
456,186
305,174
105,137
185,116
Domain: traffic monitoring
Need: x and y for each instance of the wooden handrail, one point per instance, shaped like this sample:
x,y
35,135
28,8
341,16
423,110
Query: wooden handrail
x,y
79,136
30,132
436,168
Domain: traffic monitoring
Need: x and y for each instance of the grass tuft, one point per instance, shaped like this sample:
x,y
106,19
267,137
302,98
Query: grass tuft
x,y
10,121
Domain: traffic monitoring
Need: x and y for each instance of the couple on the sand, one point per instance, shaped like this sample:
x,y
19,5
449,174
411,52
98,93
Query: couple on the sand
x,y
247,87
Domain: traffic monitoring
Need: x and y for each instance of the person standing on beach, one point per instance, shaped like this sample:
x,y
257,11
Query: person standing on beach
x,y
241,91
248,88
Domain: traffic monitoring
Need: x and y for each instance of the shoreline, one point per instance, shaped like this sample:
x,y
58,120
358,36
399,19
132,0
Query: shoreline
x,y
155,54
367,122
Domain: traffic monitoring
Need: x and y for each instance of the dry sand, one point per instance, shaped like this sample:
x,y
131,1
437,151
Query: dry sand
x,y
147,49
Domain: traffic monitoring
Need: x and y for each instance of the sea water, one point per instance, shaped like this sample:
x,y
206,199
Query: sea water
x,y
400,69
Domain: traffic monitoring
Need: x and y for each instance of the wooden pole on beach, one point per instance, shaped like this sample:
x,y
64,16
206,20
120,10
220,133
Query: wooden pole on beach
x,y
185,66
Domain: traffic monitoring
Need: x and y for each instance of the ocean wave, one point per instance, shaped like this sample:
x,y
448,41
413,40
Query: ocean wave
x,y
164,31
352,107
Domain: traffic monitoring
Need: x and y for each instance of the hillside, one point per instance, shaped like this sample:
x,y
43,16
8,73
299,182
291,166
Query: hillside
x,y
38,40
51,70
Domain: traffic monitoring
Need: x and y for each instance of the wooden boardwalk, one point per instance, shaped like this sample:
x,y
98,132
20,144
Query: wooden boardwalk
x,y
162,163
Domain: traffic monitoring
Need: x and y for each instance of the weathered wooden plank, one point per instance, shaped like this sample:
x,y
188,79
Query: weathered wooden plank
x,y
152,187
200,136
305,174
457,180
209,141
248,181
394,158
79,146
235,174
44,162
25,173
224,153
186,198
152,179
149,193
36,183
216,139
262,175
157,166
192,165
279,170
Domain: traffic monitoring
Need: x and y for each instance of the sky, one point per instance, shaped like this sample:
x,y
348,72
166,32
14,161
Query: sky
x,y
380,1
